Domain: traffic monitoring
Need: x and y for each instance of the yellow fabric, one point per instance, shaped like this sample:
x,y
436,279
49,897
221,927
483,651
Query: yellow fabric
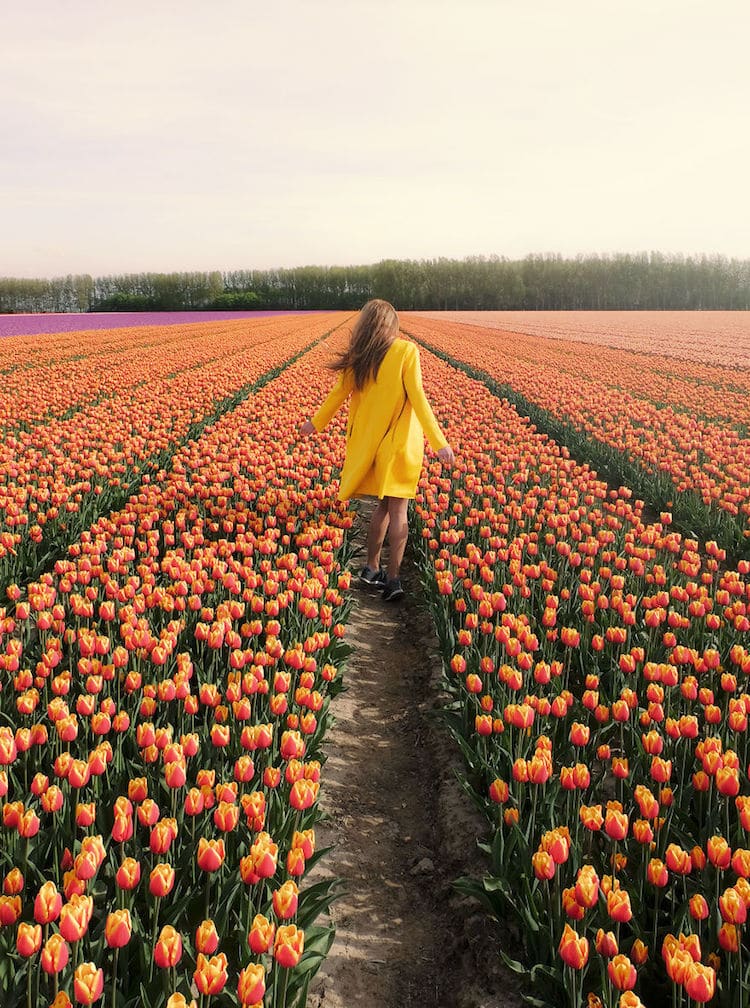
x,y
387,421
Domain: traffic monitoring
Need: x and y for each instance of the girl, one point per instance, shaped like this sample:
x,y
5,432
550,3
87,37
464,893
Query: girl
x,y
388,414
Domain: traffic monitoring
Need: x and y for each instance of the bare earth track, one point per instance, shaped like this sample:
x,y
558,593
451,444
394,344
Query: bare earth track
x,y
402,831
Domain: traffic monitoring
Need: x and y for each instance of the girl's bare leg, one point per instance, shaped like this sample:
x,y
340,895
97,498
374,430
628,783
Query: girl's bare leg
x,y
376,533
398,533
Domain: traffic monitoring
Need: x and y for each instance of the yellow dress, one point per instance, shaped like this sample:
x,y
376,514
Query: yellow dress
x,y
385,431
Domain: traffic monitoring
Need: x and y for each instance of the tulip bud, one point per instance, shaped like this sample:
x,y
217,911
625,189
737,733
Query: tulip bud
x,y
289,945
168,948
28,939
118,928
206,937
210,974
574,951
88,983
251,985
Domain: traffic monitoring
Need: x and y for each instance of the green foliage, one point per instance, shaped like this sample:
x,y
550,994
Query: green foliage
x,y
481,283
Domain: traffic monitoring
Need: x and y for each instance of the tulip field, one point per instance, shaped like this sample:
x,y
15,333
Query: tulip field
x,y
174,594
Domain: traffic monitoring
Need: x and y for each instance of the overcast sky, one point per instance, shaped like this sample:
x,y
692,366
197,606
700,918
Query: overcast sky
x,y
220,134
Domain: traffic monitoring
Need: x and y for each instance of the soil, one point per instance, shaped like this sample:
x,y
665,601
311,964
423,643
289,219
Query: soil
x,y
402,830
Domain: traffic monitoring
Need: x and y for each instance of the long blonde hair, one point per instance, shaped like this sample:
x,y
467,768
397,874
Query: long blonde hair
x,y
373,333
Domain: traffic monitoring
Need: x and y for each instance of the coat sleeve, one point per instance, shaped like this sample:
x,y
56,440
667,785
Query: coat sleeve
x,y
418,400
333,401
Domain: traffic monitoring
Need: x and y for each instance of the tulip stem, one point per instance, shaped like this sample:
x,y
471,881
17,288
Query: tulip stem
x,y
154,937
114,977
28,985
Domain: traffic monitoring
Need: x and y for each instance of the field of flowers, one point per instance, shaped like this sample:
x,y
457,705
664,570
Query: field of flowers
x,y
175,573
166,685
675,430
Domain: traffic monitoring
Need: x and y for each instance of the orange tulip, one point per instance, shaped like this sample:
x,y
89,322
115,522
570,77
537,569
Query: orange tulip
x,y
285,900
161,880
47,904
573,950
289,945
251,985
618,905
700,982
622,973
55,954
118,928
28,939
128,875
210,855
88,983
75,917
261,936
210,974
206,937
168,948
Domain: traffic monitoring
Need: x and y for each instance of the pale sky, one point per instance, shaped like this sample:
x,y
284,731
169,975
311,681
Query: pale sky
x,y
220,134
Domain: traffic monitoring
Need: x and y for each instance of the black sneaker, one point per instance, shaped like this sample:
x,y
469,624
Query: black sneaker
x,y
393,590
370,576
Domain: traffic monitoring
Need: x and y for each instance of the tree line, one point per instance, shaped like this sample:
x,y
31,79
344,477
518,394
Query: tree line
x,y
652,281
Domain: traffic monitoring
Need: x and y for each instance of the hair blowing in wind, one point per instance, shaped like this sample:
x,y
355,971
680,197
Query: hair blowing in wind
x,y
374,331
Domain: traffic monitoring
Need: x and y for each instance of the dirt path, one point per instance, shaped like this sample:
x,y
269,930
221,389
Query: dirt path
x,y
402,830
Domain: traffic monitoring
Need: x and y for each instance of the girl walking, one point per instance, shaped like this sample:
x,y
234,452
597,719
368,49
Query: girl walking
x,y
388,416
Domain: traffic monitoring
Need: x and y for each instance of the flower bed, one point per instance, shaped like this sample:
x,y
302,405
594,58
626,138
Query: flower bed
x,y
598,668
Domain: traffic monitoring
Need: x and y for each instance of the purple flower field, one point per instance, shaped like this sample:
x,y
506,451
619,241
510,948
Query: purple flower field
x,y
32,325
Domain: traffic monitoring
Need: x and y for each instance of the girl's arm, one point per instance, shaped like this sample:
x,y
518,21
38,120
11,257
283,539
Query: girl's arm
x,y
418,400
333,401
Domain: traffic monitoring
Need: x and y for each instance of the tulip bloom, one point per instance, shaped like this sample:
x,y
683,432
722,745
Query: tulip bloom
x,y
251,985
591,817
118,928
75,917
47,904
206,937
698,907
615,824
700,982
88,983
574,951
210,974
622,973
719,852
732,907
168,948
606,943
587,887
289,945
128,874
28,939
618,905
55,954
262,933
543,865
161,880
285,900
210,855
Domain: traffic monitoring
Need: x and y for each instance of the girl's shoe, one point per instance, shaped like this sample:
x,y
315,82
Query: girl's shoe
x,y
370,576
393,590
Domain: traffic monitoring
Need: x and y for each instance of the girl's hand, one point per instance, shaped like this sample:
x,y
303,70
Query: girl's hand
x,y
446,455
307,428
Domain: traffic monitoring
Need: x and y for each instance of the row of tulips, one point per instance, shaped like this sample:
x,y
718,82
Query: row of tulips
x,y
165,694
668,449
598,668
708,337
66,465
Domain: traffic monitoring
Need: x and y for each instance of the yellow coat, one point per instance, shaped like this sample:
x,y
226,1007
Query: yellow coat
x,y
385,431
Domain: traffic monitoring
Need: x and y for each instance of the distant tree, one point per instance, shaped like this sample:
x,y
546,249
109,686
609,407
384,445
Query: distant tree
x,y
537,282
